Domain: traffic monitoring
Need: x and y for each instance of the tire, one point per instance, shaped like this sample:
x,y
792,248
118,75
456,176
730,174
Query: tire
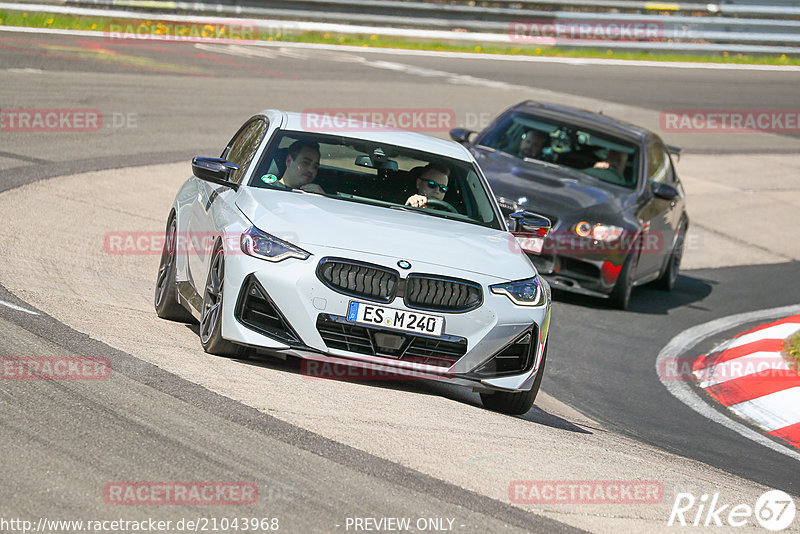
x,y
667,280
515,403
165,299
620,296
211,312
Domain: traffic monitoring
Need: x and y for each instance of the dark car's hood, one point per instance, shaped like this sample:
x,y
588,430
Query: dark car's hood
x,y
551,189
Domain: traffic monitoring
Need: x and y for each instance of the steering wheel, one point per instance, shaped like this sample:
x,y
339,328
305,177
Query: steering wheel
x,y
440,204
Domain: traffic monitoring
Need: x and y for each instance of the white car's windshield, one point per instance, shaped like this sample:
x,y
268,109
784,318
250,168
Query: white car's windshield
x,y
376,173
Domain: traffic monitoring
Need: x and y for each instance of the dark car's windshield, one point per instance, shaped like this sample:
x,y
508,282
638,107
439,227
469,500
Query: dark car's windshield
x,y
601,156
375,173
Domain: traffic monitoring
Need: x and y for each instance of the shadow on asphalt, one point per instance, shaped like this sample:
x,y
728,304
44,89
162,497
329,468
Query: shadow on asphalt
x,y
541,417
688,291
420,387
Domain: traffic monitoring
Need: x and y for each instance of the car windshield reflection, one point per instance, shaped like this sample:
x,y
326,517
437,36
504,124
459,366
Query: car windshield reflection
x,y
601,156
390,176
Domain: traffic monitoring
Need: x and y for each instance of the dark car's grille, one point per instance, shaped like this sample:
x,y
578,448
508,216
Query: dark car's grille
x,y
545,264
357,279
429,292
338,333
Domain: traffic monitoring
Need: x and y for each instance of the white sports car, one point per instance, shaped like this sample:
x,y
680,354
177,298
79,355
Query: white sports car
x,y
365,246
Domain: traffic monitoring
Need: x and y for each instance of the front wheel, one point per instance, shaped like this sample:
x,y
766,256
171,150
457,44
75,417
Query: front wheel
x,y
620,296
518,402
211,316
667,280
166,294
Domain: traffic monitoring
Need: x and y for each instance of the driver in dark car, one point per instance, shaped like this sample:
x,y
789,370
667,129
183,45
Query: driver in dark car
x,y
532,144
431,184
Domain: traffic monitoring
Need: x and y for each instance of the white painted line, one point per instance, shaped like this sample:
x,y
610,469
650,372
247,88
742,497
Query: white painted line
x,y
739,367
18,308
578,62
780,331
411,70
773,411
682,391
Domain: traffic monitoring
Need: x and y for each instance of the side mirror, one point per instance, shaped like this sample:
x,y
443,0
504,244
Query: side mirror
x,y
530,223
675,151
665,191
215,170
461,135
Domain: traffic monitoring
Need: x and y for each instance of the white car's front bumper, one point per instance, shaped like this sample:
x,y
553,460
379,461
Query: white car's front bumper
x,y
301,297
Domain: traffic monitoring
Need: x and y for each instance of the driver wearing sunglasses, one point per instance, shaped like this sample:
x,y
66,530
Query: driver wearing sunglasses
x,y
431,184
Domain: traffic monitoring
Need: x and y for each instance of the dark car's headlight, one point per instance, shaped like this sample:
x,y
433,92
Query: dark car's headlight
x,y
599,232
268,247
522,292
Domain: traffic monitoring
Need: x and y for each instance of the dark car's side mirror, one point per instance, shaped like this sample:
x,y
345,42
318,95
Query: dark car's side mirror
x,y
461,135
215,170
665,191
530,223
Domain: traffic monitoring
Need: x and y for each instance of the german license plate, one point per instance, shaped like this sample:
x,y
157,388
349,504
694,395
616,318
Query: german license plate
x,y
531,245
407,321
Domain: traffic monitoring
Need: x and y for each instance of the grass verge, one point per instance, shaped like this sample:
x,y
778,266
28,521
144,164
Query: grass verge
x,y
791,351
148,27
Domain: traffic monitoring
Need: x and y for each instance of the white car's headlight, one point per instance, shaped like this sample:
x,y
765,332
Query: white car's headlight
x,y
268,247
522,292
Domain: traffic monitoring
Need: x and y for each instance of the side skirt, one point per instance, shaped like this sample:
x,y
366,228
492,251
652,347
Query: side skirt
x,y
190,299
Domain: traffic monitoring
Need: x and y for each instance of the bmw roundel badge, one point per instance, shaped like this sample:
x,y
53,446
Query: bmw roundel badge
x,y
403,264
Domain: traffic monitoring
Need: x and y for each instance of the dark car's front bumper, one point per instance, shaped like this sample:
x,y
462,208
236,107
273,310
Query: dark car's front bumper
x,y
580,265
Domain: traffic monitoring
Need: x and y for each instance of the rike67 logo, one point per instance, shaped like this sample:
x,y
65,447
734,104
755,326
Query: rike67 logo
x,y
774,510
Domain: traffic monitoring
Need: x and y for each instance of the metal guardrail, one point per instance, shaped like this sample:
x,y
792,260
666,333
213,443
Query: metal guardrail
x,y
661,26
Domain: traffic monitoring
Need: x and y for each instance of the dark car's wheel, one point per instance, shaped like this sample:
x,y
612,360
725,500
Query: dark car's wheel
x,y
667,280
515,403
211,314
166,293
620,296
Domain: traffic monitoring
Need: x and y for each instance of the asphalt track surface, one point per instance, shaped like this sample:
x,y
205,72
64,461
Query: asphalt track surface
x,y
180,100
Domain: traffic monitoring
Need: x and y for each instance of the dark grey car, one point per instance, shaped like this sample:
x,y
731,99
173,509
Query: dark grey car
x,y
610,189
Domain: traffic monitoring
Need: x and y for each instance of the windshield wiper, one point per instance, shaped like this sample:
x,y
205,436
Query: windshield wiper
x,y
404,208
542,162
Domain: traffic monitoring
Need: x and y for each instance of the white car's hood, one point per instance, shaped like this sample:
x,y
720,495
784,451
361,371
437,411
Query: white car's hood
x,y
306,219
